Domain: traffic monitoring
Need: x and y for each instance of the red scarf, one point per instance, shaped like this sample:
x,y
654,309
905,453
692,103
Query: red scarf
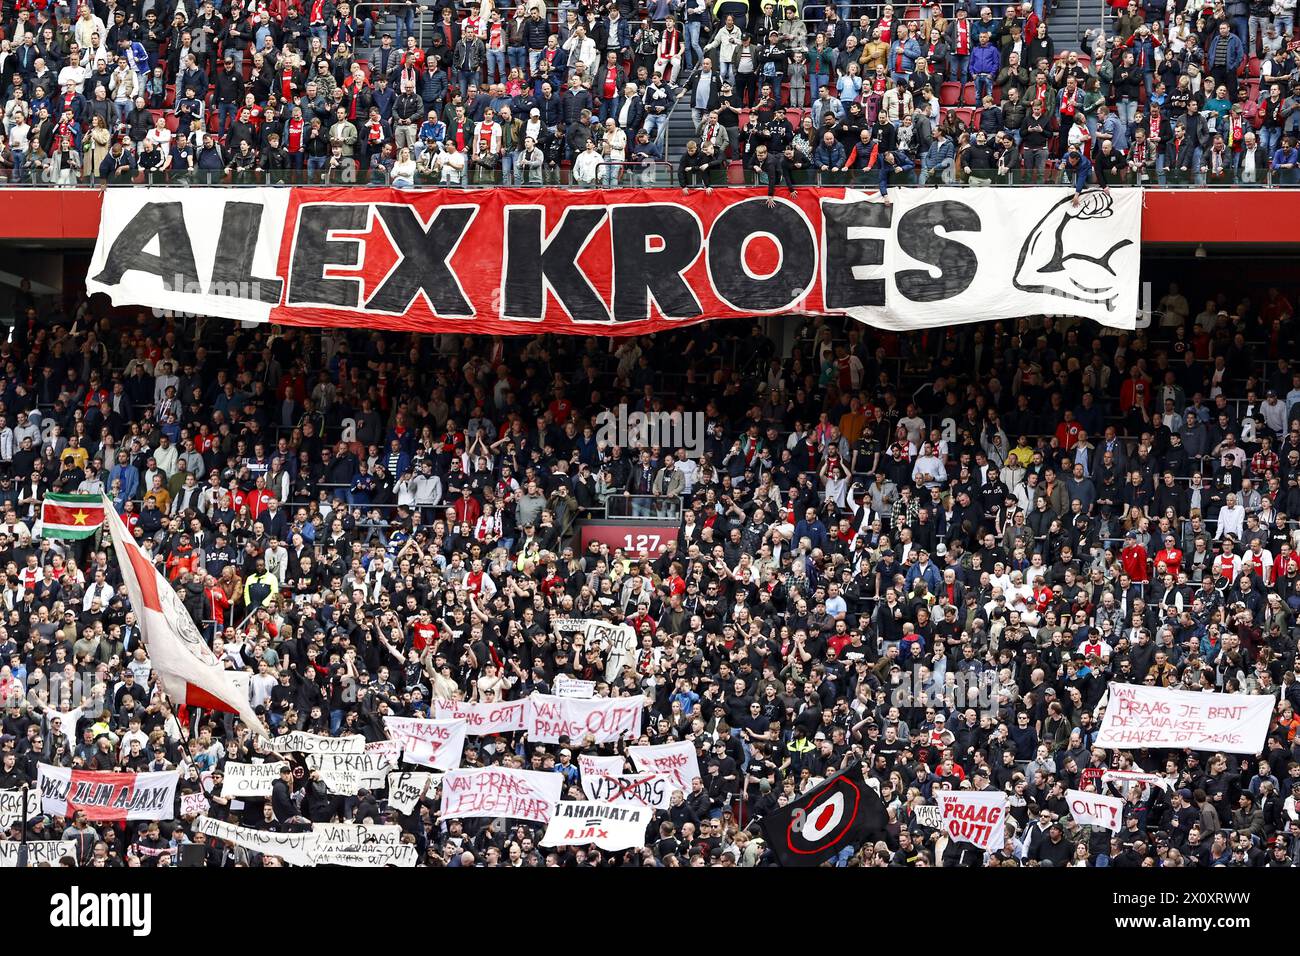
x,y
1235,133
317,12
963,37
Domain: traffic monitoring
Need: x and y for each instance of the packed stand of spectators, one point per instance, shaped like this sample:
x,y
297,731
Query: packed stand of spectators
x,y
864,93
933,553
1206,95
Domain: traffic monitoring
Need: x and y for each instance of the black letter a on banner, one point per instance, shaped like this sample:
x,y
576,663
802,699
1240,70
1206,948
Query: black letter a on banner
x,y
175,262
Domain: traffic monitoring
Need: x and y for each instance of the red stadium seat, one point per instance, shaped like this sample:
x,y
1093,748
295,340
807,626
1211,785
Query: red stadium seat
x,y
949,93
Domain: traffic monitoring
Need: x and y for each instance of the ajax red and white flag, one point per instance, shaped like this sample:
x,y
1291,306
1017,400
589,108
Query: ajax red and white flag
x,y
107,795
187,670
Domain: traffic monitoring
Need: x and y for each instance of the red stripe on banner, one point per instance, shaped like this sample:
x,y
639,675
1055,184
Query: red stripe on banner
x,y
103,796
196,696
67,515
145,574
346,234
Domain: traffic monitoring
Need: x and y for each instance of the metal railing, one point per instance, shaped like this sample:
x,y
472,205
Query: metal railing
x,y
661,507
654,174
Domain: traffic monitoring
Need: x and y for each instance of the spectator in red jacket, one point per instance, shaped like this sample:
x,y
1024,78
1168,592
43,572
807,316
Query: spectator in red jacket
x,y
1134,559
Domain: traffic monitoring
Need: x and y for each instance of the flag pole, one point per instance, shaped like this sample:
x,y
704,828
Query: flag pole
x,y
22,841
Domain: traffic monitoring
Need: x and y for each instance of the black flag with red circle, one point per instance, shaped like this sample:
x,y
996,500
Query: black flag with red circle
x,y
842,811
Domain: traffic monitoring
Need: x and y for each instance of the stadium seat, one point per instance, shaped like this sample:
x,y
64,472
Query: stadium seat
x,y
949,93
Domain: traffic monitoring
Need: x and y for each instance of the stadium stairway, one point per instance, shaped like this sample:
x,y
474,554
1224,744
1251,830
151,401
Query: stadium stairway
x,y
1071,19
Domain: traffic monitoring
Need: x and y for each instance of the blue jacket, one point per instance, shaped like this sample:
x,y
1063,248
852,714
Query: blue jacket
x,y
832,155
1080,172
940,154
930,575
985,58
129,476
814,532
910,50
1236,52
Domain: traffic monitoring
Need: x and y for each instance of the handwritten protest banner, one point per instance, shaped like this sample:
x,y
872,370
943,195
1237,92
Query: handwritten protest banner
x,y
573,688
430,743
1095,809
1126,779
929,816
193,804
590,765
298,741
349,844
619,640
250,779
977,817
500,792
11,806
548,718
293,848
407,788
483,719
678,759
648,789
345,774
1141,716
38,852
399,854
107,795
610,826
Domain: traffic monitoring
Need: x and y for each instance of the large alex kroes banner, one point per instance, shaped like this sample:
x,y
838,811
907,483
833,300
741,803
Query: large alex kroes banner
x,y
618,262
1138,716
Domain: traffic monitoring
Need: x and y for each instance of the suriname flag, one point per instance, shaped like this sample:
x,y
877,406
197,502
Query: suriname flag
x,y
71,516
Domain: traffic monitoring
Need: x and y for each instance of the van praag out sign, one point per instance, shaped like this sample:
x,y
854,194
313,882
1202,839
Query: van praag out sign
x,y
617,262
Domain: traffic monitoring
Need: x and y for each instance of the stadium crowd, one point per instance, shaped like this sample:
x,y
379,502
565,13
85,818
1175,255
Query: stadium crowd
x,y
289,91
933,553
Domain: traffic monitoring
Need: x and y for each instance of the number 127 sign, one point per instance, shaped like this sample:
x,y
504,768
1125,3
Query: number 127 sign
x,y
633,539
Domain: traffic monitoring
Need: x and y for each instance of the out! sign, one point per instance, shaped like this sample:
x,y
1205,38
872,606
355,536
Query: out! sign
x,y
1095,809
